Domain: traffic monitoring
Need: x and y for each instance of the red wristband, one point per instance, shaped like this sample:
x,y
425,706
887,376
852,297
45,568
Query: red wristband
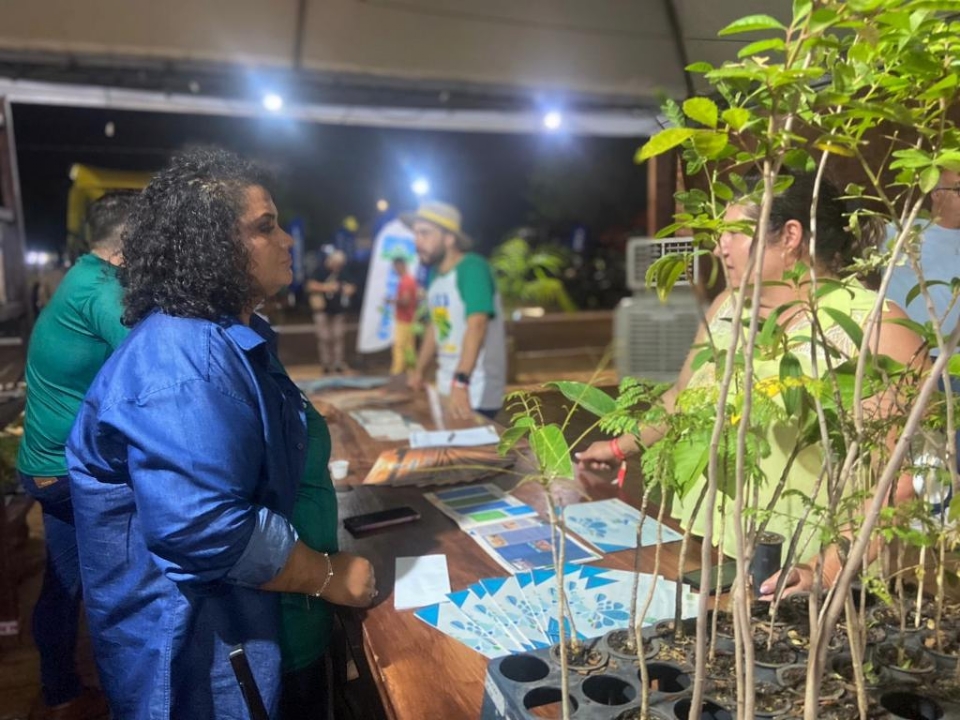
x,y
617,452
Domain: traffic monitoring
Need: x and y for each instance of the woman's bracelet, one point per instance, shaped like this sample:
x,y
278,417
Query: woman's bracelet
x,y
329,577
617,451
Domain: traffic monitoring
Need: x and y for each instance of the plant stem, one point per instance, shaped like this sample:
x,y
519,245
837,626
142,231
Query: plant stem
x,y
561,595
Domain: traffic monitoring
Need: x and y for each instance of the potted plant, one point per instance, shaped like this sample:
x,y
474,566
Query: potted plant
x,y
865,89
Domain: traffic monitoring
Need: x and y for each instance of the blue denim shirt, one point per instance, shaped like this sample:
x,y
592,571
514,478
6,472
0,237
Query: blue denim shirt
x,y
184,464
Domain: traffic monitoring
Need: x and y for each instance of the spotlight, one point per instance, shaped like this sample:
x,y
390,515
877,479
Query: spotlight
x,y
552,120
420,186
382,205
273,102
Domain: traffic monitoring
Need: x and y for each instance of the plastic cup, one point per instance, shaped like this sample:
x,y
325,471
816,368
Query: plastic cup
x,y
339,469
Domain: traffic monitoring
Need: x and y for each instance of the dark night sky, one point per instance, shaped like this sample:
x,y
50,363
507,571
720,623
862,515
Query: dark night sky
x,y
326,172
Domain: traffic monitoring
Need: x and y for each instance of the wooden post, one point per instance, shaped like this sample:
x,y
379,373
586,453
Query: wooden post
x,y
661,185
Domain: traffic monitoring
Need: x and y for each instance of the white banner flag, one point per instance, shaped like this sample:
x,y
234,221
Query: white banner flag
x,y
376,316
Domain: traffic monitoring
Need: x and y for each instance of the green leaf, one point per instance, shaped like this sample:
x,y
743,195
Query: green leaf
x,y
953,365
699,67
751,23
762,46
799,159
690,457
510,437
822,18
703,110
847,323
736,118
664,273
590,398
709,143
944,88
801,8
792,397
953,514
722,191
833,148
929,178
915,291
703,356
662,142
552,451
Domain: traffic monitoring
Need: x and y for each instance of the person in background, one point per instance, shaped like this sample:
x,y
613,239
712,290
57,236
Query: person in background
x,y
787,245
72,339
405,310
938,257
198,469
331,292
466,332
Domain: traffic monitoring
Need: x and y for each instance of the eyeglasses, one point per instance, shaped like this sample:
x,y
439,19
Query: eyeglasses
x,y
951,188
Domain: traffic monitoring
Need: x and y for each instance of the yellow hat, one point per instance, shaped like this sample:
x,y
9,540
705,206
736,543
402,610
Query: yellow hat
x,y
443,215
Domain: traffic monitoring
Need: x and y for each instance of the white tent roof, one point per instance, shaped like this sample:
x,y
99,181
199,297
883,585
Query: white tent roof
x,y
613,53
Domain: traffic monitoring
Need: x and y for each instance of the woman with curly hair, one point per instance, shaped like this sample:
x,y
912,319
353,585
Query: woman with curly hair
x,y
205,515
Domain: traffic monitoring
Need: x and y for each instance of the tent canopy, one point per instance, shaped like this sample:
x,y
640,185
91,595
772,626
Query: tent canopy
x,y
596,53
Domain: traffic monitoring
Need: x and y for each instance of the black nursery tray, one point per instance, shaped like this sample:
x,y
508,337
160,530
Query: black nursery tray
x,y
517,685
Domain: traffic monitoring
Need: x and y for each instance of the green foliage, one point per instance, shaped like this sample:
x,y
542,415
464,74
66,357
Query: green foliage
x,y
531,276
590,398
552,452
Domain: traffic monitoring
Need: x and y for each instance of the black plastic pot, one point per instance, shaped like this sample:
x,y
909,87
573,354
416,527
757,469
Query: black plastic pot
x,y
921,664
767,557
709,710
614,641
906,705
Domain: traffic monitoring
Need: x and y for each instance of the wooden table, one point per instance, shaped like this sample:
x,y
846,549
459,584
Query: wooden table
x,y
422,674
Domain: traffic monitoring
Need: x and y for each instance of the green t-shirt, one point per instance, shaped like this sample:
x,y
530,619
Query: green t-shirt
x,y
72,339
467,289
306,623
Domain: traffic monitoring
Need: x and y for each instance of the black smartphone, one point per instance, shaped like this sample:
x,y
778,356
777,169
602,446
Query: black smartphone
x,y
380,519
248,686
726,571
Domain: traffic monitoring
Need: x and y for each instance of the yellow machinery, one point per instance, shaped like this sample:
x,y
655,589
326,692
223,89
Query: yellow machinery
x,y
89,184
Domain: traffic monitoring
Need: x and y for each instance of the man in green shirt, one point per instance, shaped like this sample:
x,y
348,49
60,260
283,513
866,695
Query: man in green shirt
x,y
466,331
72,339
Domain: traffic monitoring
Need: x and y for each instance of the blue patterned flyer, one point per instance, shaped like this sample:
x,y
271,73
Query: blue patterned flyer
x,y
611,525
544,587
487,616
508,596
448,619
514,614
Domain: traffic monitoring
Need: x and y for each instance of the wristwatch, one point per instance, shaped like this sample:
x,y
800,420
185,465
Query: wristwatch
x,y
461,379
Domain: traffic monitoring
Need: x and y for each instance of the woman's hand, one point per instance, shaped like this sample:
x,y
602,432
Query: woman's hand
x,y
598,456
415,380
353,582
799,579
460,403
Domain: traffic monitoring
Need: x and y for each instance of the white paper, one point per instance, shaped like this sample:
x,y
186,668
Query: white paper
x,y
469,437
420,581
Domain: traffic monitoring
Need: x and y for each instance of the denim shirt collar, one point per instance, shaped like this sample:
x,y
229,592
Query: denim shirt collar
x,y
251,337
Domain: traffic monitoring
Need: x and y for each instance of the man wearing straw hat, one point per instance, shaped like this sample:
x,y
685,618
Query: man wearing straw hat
x,y
466,330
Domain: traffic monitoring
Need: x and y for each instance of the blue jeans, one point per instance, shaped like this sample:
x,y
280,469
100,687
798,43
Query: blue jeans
x,y
57,612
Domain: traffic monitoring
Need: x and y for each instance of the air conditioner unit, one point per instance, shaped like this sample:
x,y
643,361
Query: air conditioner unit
x,y
652,338
643,252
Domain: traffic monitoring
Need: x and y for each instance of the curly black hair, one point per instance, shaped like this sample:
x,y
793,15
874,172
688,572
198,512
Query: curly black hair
x,y
182,252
